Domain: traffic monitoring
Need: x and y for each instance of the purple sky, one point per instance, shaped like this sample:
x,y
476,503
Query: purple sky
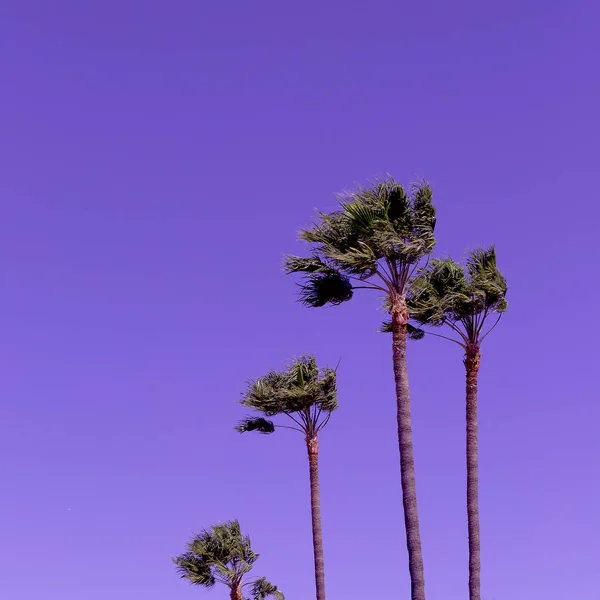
x,y
158,158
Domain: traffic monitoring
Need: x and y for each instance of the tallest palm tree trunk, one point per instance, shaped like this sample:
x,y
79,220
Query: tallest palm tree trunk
x,y
472,361
312,444
407,461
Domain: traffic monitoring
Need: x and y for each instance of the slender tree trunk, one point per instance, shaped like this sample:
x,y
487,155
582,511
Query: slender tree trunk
x,y
312,444
472,360
236,592
407,461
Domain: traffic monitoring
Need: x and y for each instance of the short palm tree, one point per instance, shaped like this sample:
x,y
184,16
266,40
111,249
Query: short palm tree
x,y
222,554
376,240
464,300
307,396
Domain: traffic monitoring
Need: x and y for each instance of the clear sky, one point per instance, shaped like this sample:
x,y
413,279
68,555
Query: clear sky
x,y
156,161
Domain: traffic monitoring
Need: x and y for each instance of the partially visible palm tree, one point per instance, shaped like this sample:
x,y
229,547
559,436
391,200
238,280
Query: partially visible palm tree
x,y
221,554
464,300
307,396
376,241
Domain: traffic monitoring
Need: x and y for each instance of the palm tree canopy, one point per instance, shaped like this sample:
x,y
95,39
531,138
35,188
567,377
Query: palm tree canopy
x,y
301,388
380,231
218,554
446,293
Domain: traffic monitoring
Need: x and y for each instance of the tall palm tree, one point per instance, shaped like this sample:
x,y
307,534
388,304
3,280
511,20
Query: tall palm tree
x,y
222,554
376,240
307,396
464,300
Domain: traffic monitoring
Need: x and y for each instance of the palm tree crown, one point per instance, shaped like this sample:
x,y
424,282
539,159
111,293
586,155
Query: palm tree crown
x,y
222,554
445,293
304,393
378,234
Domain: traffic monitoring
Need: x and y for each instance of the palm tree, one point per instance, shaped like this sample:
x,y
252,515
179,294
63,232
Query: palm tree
x,y
463,300
221,554
376,240
307,396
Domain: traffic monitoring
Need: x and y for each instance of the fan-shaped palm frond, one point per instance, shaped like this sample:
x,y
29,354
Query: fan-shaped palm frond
x,y
262,589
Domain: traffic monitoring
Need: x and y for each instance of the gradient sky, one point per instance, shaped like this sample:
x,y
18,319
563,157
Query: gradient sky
x,y
158,158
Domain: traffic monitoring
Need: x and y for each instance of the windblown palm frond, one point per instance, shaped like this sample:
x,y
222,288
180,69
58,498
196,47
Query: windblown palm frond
x,y
320,289
262,589
195,569
256,424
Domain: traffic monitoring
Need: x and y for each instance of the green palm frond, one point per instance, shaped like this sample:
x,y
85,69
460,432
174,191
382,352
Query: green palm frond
x,y
297,264
424,218
262,589
195,570
439,292
486,280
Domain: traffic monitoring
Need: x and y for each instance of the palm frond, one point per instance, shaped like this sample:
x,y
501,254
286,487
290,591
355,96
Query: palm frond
x,y
262,589
486,281
297,264
439,292
195,570
319,289
259,424
424,218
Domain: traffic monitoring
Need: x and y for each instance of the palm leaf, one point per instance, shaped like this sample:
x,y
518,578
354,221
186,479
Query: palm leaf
x,y
262,589
256,424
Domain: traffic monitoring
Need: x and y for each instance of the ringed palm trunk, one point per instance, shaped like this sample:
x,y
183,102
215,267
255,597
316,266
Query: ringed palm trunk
x,y
236,592
472,361
407,462
312,444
